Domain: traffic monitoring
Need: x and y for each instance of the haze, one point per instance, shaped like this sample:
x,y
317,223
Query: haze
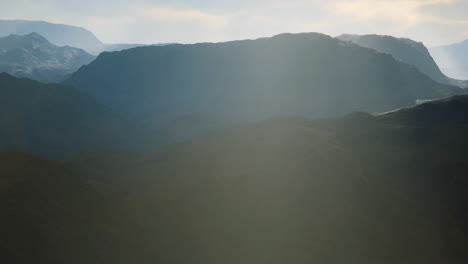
x,y
434,22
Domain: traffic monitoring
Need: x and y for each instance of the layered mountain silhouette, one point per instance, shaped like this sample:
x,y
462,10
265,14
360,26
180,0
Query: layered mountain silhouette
x,y
376,186
386,188
63,35
58,34
311,75
35,57
407,51
453,59
54,120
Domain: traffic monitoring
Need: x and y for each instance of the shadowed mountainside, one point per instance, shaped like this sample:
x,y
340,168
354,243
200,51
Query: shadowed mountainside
x,y
359,189
49,214
54,119
364,188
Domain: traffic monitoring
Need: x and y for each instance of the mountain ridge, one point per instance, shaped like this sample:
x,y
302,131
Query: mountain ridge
x,y
254,79
406,50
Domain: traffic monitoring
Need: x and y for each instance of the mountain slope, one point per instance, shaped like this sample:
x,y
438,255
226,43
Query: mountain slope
x,y
359,189
32,192
48,212
312,75
60,35
453,59
54,120
34,57
406,50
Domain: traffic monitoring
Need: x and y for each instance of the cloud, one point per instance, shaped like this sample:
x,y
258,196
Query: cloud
x,y
151,21
402,13
171,15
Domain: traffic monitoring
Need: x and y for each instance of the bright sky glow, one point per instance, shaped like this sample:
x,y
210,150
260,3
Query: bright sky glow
x,y
435,22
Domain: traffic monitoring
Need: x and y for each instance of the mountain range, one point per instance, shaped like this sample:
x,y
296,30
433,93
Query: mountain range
x,y
35,57
158,90
308,74
299,148
387,188
406,50
453,59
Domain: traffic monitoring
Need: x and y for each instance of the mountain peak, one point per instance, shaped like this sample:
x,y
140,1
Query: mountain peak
x,y
35,35
37,39
25,41
33,56
303,36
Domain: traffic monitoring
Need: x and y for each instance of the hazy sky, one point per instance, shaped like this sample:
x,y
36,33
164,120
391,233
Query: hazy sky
x,y
434,22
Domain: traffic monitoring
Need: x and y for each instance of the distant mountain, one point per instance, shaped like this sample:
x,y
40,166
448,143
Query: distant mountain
x,y
60,35
387,188
453,59
406,50
54,120
35,57
312,75
64,35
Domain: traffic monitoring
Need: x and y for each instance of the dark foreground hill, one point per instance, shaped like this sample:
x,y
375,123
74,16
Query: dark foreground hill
x,y
54,120
408,51
359,189
34,57
48,213
312,75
